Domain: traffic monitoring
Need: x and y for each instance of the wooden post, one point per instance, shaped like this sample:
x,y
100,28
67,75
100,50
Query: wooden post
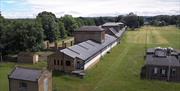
x,y
56,45
63,44
47,44
71,43
1,57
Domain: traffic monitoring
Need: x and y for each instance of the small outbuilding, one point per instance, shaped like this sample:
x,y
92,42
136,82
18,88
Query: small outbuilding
x,y
28,79
27,57
162,64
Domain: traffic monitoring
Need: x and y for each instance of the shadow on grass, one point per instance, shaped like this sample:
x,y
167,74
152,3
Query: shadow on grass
x,y
58,73
65,76
133,29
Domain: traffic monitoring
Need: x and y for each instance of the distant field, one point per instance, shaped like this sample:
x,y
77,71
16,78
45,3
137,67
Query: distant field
x,y
118,70
155,35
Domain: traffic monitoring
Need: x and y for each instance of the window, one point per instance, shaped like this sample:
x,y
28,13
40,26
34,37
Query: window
x,y
54,62
61,62
22,86
57,62
173,71
78,65
163,71
68,63
155,70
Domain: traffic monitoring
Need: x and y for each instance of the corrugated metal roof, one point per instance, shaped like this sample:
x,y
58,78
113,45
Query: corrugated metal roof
x,y
117,34
90,28
120,23
113,30
111,24
25,74
87,48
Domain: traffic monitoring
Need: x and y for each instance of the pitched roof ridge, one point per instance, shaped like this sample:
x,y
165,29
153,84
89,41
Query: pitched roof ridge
x,y
89,43
28,68
83,46
73,51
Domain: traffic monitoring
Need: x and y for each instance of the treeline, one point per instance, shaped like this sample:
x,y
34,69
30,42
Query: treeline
x,y
163,20
29,34
131,20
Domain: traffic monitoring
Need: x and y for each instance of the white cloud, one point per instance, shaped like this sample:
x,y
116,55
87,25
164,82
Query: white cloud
x,y
9,1
18,14
103,7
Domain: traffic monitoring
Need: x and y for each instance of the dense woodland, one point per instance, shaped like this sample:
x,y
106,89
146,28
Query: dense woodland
x,y
29,34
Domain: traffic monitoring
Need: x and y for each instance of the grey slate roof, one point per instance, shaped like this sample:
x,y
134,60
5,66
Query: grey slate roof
x,y
87,48
117,34
25,74
170,60
90,28
162,61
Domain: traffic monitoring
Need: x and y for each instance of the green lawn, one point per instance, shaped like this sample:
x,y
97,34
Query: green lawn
x,y
118,70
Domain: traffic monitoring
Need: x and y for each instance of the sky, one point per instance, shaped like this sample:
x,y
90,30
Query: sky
x,y
88,8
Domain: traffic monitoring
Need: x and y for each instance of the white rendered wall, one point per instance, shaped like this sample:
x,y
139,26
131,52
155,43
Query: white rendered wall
x,y
92,61
106,50
99,56
114,44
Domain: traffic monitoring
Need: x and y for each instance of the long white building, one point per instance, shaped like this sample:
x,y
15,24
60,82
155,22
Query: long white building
x,y
91,43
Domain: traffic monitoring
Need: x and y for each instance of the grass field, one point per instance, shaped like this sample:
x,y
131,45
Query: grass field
x,y
118,70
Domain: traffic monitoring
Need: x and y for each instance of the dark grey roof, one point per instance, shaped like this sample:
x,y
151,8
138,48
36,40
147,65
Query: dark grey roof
x,y
113,30
110,24
87,48
25,74
162,61
155,59
117,34
90,28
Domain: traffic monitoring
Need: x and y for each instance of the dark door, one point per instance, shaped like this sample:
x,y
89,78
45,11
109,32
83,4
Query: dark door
x,y
78,66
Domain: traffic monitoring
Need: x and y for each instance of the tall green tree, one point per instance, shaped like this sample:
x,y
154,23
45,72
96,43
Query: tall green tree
x,y
119,18
1,33
49,24
82,21
70,24
62,29
141,20
99,21
2,20
23,36
178,22
131,20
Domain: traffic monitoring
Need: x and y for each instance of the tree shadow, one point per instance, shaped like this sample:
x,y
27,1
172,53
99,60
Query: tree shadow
x,y
58,73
